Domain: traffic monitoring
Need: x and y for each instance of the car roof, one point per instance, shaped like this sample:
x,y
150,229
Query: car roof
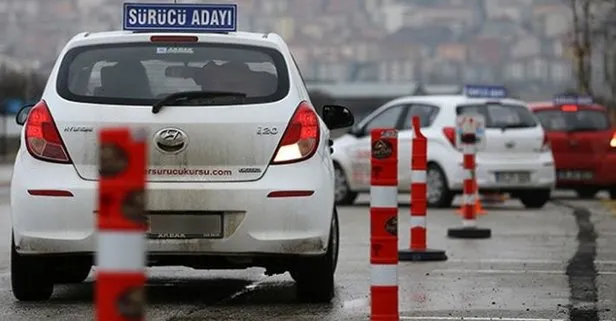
x,y
124,36
443,100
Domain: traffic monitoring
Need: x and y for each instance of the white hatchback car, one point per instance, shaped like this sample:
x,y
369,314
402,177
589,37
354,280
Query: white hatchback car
x,y
517,158
240,170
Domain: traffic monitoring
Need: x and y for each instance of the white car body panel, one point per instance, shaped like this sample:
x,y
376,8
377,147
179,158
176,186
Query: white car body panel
x,y
353,153
254,223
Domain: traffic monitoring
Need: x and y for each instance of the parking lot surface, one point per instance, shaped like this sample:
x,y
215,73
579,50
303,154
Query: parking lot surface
x,y
558,263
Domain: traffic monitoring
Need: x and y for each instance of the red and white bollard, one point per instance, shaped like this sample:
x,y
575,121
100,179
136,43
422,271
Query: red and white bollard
x,y
122,223
384,225
418,249
469,229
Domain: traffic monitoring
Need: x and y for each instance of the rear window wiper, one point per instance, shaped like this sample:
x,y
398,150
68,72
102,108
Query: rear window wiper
x,y
510,126
190,95
585,129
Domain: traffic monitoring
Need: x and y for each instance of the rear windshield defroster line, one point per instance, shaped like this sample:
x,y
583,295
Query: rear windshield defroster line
x,y
260,72
501,115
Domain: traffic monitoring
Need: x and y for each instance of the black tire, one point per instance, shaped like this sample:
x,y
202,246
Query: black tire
x,y
535,198
612,192
445,196
72,274
586,193
342,191
314,277
30,279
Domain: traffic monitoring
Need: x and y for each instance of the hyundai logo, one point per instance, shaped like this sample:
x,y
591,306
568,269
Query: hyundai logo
x,y
171,140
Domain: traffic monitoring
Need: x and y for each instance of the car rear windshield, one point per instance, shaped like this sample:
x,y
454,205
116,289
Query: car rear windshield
x,y
501,115
580,120
144,73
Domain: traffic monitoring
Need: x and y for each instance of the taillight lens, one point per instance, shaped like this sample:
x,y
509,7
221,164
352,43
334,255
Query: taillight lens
x,y
42,137
545,146
301,138
613,141
450,134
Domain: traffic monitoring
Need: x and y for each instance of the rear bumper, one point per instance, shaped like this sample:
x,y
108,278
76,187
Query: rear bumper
x,y
254,223
541,170
604,173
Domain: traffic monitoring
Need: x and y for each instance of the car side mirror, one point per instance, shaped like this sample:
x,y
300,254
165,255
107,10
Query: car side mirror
x,y
22,114
336,117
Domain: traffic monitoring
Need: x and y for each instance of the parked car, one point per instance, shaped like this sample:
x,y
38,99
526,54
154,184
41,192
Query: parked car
x,y
517,159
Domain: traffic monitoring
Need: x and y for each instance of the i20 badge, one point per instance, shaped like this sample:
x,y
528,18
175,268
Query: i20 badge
x,y
170,140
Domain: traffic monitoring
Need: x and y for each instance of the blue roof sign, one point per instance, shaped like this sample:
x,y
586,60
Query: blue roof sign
x,y
180,17
475,91
573,100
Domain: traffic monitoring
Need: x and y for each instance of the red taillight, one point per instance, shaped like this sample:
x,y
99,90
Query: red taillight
x,y
42,137
301,138
569,108
450,134
613,141
174,39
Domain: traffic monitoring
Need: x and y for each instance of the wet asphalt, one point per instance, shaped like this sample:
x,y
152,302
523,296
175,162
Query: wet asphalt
x,y
558,263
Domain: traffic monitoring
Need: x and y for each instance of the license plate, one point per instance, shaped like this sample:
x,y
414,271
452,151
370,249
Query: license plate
x,y
574,175
513,177
184,226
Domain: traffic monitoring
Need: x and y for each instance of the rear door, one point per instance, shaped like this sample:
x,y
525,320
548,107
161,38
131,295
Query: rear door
x,y
217,138
580,136
360,152
511,131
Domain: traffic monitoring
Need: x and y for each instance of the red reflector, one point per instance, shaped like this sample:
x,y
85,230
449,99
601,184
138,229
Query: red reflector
x,y
569,108
290,193
174,39
49,192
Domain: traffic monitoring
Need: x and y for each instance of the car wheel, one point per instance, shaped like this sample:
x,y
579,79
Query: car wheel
x,y
72,274
30,279
438,193
535,198
343,193
314,277
586,193
612,192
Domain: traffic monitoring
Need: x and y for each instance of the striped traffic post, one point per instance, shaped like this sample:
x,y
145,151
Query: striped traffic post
x,y
418,249
469,229
121,223
384,225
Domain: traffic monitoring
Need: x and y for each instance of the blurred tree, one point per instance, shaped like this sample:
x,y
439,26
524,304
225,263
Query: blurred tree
x,y
581,42
607,39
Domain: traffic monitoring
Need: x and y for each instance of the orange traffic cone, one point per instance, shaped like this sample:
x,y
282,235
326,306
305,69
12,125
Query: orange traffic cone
x,y
478,209
495,198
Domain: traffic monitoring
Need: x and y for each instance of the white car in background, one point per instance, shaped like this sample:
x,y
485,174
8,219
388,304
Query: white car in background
x,y
517,158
